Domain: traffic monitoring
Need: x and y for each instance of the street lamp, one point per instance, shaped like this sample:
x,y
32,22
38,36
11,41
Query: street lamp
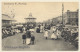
x,y
62,17
62,14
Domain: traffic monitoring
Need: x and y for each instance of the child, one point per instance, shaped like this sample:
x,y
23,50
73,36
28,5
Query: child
x,y
24,39
32,39
46,34
54,36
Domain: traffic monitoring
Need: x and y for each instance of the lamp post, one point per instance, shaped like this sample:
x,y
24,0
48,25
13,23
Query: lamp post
x,y
62,17
62,14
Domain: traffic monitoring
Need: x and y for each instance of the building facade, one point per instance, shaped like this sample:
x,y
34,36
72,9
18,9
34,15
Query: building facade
x,y
6,20
71,17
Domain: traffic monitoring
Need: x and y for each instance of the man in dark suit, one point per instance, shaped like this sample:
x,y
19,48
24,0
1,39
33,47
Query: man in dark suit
x,y
24,38
32,39
28,34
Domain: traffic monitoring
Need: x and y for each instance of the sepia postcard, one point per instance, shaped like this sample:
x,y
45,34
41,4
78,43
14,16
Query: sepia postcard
x,y
40,26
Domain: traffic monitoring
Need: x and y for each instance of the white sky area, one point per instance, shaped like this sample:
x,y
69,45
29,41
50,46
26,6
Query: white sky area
x,y
40,10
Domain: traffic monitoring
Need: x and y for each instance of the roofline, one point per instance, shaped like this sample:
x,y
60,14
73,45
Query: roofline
x,y
6,15
29,18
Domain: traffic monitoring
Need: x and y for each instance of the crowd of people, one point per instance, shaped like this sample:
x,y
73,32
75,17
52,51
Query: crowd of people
x,y
8,32
51,32
55,33
29,38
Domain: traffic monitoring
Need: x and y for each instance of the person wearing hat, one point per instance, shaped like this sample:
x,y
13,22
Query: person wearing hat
x,y
54,36
32,39
46,33
24,38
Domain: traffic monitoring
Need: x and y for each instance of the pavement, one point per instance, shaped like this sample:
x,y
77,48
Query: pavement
x,y
15,43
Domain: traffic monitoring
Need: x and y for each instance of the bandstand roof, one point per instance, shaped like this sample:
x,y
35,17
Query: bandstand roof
x,y
30,16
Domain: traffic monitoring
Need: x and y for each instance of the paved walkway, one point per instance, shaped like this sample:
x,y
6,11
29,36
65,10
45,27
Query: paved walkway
x,y
14,43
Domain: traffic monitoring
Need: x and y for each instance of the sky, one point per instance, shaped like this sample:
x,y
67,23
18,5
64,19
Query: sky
x,y
42,11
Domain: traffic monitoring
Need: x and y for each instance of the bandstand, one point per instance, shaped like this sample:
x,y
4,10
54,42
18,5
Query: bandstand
x,y
30,21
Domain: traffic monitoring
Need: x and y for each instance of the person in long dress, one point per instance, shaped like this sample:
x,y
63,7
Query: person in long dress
x,y
24,29
46,34
28,37
58,33
54,36
38,30
41,29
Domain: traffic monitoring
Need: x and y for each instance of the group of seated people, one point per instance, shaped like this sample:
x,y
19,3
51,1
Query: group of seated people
x,y
7,32
71,37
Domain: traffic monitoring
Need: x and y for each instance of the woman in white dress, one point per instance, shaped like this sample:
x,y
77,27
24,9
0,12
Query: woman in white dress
x,y
41,29
46,34
24,29
54,36
54,28
58,33
28,41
